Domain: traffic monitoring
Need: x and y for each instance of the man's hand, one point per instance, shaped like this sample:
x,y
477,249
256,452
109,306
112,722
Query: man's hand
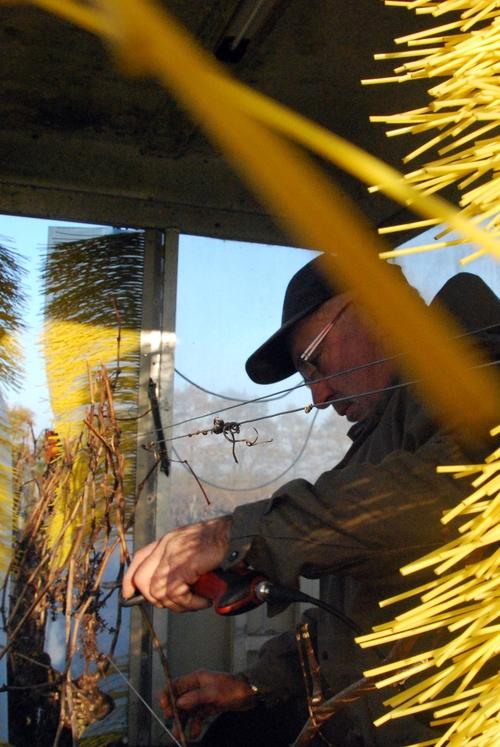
x,y
203,695
164,571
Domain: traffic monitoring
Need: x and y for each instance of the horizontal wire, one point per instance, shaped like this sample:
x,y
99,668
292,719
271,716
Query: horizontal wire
x,y
283,392
306,408
399,385
273,395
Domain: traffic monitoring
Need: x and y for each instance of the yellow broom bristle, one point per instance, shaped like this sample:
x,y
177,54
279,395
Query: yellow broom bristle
x,y
465,600
146,40
463,108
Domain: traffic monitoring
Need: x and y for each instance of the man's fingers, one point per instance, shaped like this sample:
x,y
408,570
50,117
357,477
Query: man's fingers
x,y
155,580
164,571
194,690
176,596
187,682
194,727
129,585
203,695
159,582
218,689
197,603
206,695
165,704
199,721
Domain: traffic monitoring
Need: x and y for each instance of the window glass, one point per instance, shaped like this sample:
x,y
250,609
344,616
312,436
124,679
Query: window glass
x,y
428,271
229,302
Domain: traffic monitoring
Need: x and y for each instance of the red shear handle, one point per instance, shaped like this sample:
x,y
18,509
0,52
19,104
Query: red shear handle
x,y
232,592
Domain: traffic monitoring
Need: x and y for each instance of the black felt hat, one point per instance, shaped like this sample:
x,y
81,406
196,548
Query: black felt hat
x,y
306,291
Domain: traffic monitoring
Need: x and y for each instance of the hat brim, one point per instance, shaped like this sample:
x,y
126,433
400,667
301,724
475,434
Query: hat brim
x,y
272,362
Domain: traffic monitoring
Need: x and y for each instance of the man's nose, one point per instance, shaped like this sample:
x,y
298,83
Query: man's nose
x,y
321,393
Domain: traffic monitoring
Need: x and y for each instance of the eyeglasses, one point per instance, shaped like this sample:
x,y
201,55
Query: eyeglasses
x,y
306,368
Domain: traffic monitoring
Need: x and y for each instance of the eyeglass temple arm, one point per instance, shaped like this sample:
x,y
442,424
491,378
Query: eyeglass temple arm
x,y
314,344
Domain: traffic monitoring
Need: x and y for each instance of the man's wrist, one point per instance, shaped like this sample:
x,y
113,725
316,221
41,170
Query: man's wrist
x,y
257,695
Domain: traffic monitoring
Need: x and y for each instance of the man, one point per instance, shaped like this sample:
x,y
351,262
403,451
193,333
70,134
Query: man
x,y
379,508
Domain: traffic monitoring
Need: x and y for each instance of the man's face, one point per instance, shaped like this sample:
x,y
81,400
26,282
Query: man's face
x,y
347,344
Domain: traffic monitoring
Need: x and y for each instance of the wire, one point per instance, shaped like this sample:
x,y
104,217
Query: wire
x,y
207,391
144,703
307,408
222,396
297,409
283,392
262,398
268,482
275,395
276,593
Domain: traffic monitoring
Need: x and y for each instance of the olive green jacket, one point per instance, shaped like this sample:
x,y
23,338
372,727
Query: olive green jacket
x,y
378,509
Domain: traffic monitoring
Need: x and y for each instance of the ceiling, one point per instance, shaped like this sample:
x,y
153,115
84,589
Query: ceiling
x,y
79,141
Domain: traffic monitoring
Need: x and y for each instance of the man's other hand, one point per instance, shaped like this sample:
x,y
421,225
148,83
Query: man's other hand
x,y
203,695
164,571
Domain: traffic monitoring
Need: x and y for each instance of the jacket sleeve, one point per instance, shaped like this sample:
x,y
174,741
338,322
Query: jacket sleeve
x,y
359,520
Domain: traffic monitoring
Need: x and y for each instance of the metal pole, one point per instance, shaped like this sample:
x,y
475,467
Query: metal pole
x,y
165,389
151,517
